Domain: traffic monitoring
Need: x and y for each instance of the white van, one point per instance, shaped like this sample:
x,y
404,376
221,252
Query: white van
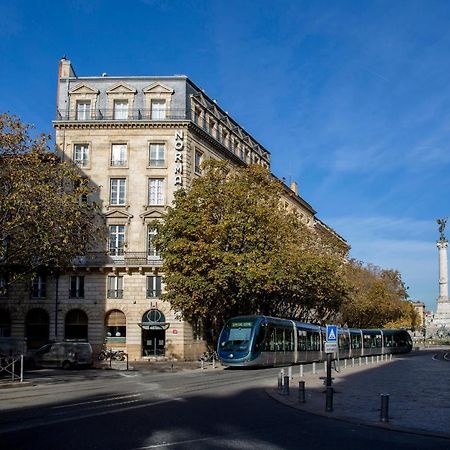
x,y
64,354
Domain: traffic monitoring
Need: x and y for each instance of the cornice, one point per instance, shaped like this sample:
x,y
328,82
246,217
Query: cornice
x,y
115,124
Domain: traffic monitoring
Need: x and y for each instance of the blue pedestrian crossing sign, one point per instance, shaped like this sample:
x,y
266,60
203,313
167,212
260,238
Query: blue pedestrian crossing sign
x,y
331,333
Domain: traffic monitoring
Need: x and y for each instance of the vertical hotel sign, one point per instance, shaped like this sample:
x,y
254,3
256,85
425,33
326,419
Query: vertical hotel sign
x,y
179,147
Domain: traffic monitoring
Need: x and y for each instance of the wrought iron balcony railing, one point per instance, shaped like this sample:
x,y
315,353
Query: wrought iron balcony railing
x,y
100,259
131,114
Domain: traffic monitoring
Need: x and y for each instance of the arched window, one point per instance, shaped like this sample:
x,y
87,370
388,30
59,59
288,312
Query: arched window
x,y
116,327
5,323
76,325
37,325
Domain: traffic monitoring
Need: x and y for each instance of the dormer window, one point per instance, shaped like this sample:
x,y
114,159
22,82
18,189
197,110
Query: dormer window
x,y
83,109
120,109
158,109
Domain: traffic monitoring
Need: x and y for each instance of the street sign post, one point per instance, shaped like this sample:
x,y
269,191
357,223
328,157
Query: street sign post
x,y
331,333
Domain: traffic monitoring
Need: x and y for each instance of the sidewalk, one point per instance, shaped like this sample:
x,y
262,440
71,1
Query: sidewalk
x,y
418,386
153,366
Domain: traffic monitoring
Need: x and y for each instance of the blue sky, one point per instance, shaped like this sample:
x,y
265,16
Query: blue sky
x,y
351,98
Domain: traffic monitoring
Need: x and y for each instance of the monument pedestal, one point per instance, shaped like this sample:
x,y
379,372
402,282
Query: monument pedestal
x,y
441,319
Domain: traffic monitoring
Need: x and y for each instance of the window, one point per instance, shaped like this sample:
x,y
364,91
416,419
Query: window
x,y
116,240
156,155
156,191
115,287
81,155
76,325
158,109
76,286
225,141
3,286
37,327
153,287
38,287
117,191
5,323
120,109
212,127
198,161
83,109
152,253
116,326
118,155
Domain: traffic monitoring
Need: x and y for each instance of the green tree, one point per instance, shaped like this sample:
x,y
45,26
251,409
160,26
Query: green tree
x,y
45,218
230,248
376,297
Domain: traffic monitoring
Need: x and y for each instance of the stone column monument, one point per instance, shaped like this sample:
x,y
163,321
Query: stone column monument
x,y
442,315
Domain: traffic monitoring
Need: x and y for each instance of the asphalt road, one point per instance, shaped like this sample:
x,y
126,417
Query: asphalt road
x,y
208,409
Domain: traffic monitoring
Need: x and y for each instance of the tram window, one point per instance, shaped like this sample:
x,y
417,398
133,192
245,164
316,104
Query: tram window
x,y
279,346
289,339
270,339
356,341
343,342
260,337
313,341
301,341
378,340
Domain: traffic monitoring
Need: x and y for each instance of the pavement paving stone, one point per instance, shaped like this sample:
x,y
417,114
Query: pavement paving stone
x,y
418,388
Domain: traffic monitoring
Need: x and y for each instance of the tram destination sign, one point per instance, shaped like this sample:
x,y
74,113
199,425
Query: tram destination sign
x,y
241,324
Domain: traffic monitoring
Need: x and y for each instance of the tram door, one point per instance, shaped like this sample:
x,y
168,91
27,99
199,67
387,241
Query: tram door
x,y
154,342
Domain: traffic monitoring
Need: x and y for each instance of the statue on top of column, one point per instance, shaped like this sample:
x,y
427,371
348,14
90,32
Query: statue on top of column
x,y
441,223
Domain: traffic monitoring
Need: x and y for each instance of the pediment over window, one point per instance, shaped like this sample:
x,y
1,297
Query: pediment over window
x,y
118,214
151,215
83,89
121,88
158,88
200,99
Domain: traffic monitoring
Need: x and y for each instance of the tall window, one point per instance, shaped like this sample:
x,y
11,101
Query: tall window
x,y
198,161
156,191
81,155
158,109
115,287
120,109
76,286
117,191
39,287
118,155
83,109
153,287
3,286
152,253
116,326
76,325
116,239
157,155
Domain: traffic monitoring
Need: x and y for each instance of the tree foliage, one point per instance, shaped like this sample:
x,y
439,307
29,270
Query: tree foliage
x,y
44,220
230,248
376,296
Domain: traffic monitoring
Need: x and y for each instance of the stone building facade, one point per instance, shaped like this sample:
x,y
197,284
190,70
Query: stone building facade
x,y
138,140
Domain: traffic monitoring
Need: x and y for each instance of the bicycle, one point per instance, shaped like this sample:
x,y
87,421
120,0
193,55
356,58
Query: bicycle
x,y
209,357
109,353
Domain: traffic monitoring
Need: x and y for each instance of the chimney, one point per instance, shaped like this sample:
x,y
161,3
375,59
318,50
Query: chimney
x,y
294,187
65,68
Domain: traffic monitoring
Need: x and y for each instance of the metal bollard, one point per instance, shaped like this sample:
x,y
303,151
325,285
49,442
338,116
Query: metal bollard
x,y
378,359
367,360
371,360
314,368
126,355
390,357
384,410
290,372
286,385
301,371
345,363
353,362
280,381
301,392
214,362
329,399
202,363
359,362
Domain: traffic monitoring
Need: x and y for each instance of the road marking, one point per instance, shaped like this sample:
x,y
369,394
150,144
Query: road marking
x,y
108,399
434,356
170,444
445,357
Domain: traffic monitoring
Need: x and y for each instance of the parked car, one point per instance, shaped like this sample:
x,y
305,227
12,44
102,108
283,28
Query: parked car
x,y
63,354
